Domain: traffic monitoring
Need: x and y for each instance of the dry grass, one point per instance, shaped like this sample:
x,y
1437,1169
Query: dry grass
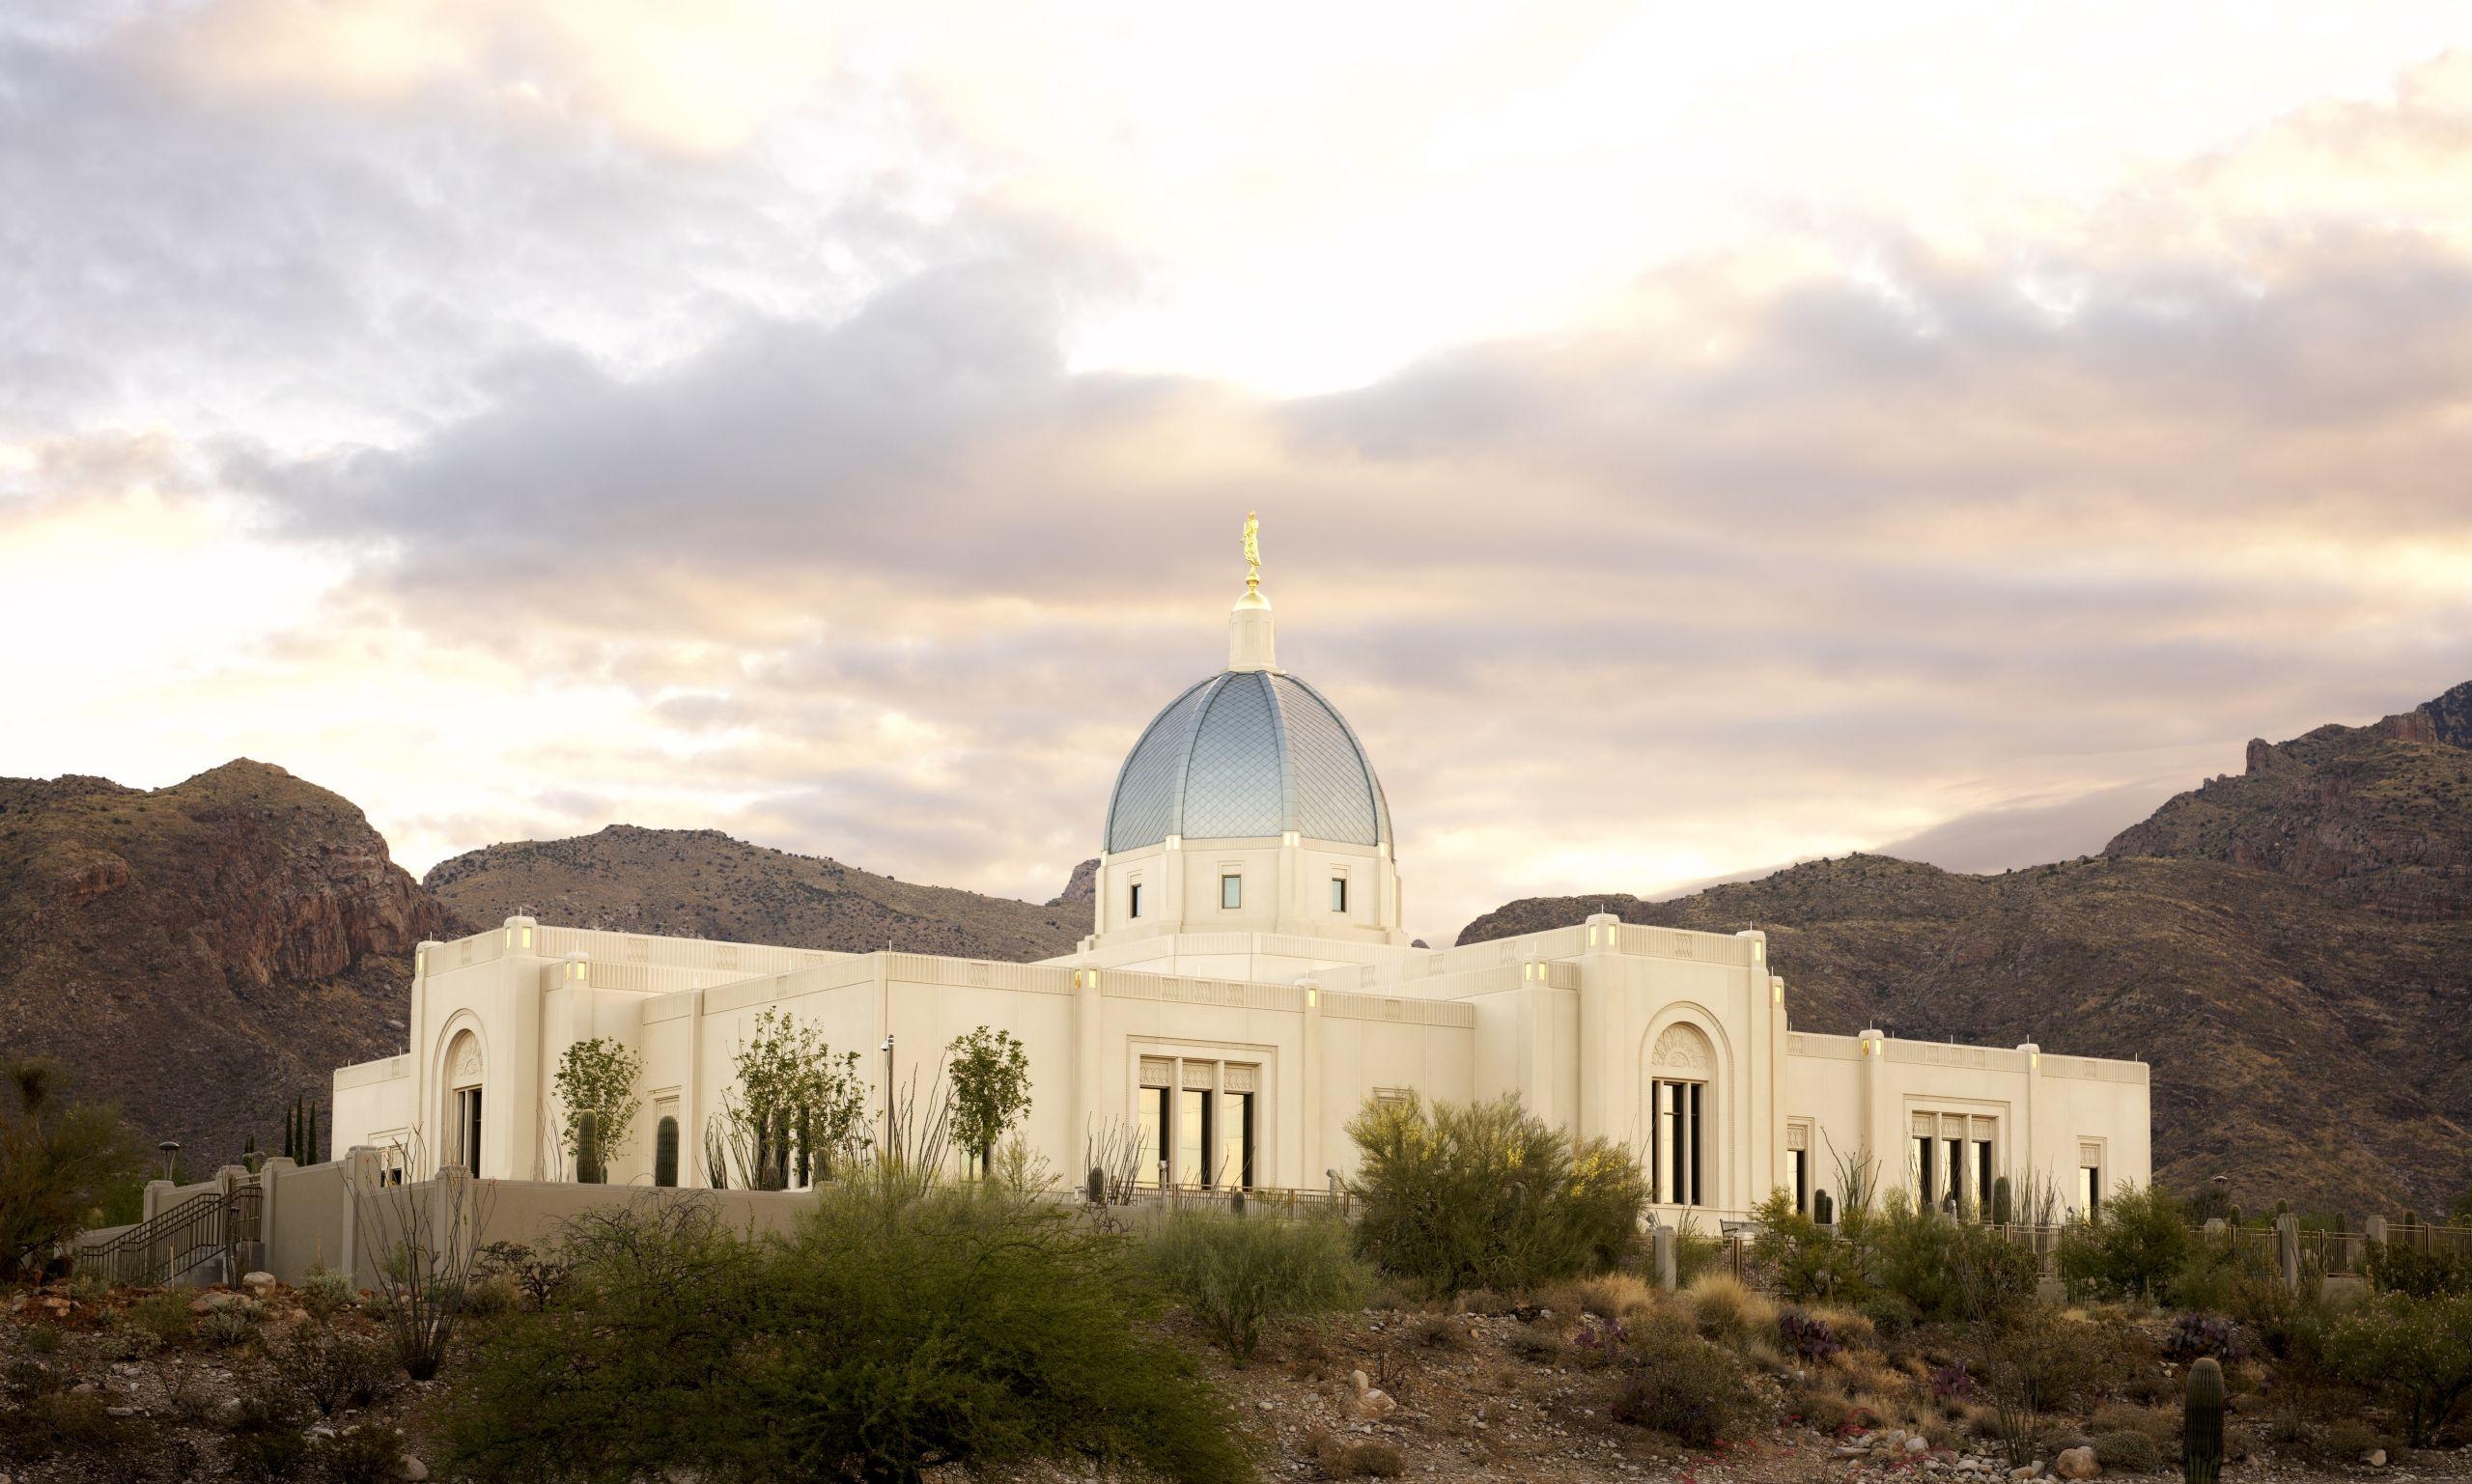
x,y
1353,1458
1730,1313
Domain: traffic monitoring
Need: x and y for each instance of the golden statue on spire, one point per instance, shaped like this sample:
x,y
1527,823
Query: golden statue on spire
x,y
1253,552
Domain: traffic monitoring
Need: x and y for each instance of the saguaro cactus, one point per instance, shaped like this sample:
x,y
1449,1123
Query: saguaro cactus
x,y
2202,1424
588,1168
1095,1188
1999,1205
665,1152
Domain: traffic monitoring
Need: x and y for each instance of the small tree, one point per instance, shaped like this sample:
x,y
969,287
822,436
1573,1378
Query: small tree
x,y
2415,1352
798,1104
597,1077
57,1159
991,1087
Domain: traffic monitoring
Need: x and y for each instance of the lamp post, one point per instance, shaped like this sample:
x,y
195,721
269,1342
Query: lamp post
x,y
889,1124
171,1148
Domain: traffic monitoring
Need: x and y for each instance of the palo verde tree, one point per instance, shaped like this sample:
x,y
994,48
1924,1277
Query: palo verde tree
x,y
991,1089
57,1157
597,1077
799,1106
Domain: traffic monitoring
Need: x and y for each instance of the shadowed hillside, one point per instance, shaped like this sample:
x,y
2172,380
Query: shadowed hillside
x,y
2290,949
202,953
703,883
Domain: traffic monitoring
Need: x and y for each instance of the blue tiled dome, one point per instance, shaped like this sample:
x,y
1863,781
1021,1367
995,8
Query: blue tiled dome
x,y
1246,753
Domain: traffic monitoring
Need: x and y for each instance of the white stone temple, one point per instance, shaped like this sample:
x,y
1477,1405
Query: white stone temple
x,y
1244,989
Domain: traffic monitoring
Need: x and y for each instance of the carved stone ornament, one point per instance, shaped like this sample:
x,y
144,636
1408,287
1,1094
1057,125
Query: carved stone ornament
x,y
1681,1046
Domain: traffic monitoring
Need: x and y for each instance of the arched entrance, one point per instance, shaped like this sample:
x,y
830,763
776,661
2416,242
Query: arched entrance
x,y
460,1119
1682,1110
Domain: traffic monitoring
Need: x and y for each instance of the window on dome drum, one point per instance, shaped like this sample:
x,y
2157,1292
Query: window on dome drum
x,y
1339,893
467,1129
1675,1143
1133,901
1231,892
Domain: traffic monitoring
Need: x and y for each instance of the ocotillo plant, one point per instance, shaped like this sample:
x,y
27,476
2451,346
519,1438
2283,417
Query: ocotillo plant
x,y
588,1170
2203,1423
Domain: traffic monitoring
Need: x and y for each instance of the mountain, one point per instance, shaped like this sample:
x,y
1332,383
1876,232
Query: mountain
x,y
703,883
199,954
2289,949
2380,815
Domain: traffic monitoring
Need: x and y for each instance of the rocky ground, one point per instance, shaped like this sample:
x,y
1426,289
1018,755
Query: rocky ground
x,y
143,1385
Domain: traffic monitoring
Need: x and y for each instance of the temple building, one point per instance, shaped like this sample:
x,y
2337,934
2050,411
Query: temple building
x,y
1246,988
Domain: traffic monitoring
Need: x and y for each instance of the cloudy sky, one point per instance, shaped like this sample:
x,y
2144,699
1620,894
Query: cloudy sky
x,y
1686,438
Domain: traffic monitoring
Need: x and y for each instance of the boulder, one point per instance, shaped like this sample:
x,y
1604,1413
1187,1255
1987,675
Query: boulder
x,y
413,1469
260,1279
2076,1464
1367,1402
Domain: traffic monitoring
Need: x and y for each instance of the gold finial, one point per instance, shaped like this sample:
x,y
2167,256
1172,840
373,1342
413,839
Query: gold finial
x,y
1253,552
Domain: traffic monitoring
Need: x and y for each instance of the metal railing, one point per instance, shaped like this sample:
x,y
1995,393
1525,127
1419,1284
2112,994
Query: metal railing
x,y
207,1227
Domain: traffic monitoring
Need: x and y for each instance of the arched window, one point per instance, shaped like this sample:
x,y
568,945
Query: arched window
x,y
1679,1105
464,1075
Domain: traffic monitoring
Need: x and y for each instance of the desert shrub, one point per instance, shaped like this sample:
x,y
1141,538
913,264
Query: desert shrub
x,y
2133,1250
53,1423
1237,1275
42,1339
1534,1346
325,1291
2193,1336
1947,1269
1807,1337
165,1315
1889,1314
2415,1352
2128,1452
1728,1312
357,1455
2337,1442
2395,1268
1353,1457
1610,1295
1488,1195
491,1296
537,1272
1674,1383
890,1333
333,1369
2161,1425
2216,1268
225,1327
1805,1260
265,1442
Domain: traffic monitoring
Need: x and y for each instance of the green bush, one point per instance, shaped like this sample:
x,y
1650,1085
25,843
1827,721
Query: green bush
x,y
1674,1383
58,1161
1487,1196
2417,1352
2216,1267
2133,1250
2128,1452
888,1335
333,1369
1238,1274
2395,1268
1806,1261
1946,1268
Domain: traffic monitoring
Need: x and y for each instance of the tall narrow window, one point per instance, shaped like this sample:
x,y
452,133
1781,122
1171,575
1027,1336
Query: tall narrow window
x,y
1983,1177
1154,1135
1925,1189
1954,1163
1799,1170
2090,1190
1133,900
467,1125
1339,893
1192,1138
1236,1137
1675,1142
1231,892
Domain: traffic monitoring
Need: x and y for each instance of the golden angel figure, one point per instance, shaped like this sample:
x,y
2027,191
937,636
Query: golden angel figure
x,y
1253,550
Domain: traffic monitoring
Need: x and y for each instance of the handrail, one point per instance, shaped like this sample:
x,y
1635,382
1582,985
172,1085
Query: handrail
x,y
178,1239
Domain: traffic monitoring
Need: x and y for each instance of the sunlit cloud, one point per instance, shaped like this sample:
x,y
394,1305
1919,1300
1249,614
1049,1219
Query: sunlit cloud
x,y
1683,446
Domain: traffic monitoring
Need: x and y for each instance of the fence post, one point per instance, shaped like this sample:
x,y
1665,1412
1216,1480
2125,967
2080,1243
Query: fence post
x,y
2375,1228
1661,1243
2288,1250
